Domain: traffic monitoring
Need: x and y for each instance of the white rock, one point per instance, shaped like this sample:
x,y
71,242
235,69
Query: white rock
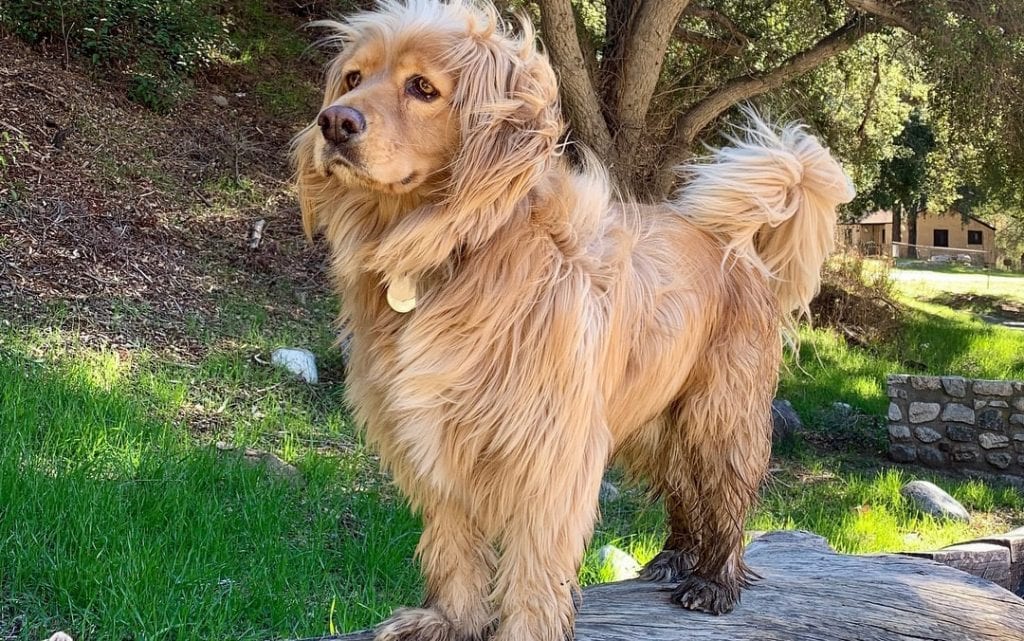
x,y
932,499
300,362
609,493
922,412
60,636
220,101
623,565
894,412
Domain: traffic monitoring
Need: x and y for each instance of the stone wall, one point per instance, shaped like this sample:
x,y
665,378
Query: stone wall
x,y
953,422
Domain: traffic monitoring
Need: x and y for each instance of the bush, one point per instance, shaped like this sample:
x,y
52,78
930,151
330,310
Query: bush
x,y
155,42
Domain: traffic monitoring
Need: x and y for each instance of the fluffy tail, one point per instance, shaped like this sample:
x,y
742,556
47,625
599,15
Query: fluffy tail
x,y
771,196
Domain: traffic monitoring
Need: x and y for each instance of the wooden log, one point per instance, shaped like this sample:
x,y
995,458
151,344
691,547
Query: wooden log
x,y
808,592
999,559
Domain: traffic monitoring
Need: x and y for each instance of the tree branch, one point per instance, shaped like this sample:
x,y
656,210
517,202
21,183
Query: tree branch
x,y
717,46
635,75
722,20
887,12
691,122
580,99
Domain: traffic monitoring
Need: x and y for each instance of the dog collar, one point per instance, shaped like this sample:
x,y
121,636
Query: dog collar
x,y
402,294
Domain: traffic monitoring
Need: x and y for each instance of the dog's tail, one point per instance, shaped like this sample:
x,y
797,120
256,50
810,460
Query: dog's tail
x,y
771,197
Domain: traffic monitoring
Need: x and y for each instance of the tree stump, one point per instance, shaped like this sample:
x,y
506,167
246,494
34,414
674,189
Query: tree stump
x,y
808,592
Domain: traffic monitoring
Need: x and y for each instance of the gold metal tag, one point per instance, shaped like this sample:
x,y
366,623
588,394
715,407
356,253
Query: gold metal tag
x,y
402,294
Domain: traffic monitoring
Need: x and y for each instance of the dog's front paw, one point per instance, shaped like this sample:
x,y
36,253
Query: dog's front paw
x,y
668,565
702,595
415,624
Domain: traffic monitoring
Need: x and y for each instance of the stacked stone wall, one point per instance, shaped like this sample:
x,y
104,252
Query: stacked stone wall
x,y
950,422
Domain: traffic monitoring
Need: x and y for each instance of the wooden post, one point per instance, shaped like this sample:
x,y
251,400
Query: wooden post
x,y
808,592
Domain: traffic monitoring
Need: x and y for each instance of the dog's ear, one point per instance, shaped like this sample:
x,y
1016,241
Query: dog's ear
x,y
311,186
506,98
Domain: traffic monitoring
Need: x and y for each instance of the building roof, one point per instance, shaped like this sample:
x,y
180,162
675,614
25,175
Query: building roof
x,y
880,217
884,217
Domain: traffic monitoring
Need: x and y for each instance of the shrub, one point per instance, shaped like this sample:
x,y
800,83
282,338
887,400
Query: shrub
x,y
155,42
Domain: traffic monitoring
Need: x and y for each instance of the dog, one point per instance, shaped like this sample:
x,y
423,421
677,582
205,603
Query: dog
x,y
515,327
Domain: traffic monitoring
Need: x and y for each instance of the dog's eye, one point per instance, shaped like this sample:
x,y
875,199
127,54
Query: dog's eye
x,y
352,79
420,87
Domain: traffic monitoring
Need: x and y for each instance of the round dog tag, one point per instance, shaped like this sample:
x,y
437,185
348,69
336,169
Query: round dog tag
x,y
402,295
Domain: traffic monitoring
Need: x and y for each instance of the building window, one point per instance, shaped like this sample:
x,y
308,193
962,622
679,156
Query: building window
x,y
941,238
974,237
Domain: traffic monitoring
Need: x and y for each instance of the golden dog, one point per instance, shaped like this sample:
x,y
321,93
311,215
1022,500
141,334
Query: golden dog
x,y
514,327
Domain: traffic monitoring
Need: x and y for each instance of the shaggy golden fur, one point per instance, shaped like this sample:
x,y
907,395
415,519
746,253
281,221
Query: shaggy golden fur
x,y
556,328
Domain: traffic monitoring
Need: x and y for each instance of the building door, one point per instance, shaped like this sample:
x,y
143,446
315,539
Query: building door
x,y
941,238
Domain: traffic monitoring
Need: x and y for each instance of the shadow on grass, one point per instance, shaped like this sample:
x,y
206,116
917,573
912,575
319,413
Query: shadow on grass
x,y
116,525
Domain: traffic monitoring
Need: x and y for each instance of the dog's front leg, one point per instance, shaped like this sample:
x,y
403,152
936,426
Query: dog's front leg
x,y
542,547
458,563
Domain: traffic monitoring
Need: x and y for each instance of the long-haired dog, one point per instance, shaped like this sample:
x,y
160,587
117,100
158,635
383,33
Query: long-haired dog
x,y
514,327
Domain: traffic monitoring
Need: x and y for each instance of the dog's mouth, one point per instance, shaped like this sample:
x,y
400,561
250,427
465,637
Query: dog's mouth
x,y
338,161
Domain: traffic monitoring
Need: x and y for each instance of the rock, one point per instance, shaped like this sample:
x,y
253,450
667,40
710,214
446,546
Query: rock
x,y
220,101
899,432
1019,404
991,441
1001,460
958,413
990,403
272,463
300,362
926,434
990,419
993,388
840,407
785,420
965,453
954,386
960,433
60,636
931,456
932,499
925,382
1016,419
609,493
896,392
623,566
894,412
922,412
902,453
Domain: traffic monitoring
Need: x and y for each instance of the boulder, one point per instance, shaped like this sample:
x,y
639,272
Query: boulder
x,y
932,499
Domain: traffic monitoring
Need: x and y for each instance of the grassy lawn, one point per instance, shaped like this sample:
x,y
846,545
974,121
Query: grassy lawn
x,y
121,519
925,280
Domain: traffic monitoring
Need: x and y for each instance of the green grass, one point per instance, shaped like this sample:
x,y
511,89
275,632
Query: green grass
x,y
923,280
119,518
933,340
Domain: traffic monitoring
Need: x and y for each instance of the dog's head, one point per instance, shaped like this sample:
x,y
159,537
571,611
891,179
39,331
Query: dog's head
x,y
432,102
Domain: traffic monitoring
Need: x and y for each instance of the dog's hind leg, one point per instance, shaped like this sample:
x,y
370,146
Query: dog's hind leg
x,y
646,457
458,563
724,427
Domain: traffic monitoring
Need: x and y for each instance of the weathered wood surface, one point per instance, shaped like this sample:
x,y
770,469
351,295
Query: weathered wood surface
x,y
810,593
999,559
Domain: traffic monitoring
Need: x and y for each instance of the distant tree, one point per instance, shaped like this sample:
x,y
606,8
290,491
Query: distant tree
x,y
642,80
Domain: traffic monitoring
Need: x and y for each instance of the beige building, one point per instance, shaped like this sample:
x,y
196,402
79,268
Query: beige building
x,y
937,235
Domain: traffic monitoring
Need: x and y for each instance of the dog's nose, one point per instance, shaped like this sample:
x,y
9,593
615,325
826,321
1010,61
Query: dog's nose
x,y
338,124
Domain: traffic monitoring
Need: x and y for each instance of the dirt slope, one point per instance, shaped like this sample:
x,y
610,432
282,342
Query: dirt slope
x,y
132,226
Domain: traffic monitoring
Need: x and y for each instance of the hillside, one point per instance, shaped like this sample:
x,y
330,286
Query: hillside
x,y
132,227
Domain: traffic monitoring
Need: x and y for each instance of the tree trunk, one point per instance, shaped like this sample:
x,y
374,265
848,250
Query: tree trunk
x,y
912,232
809,593
897,230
